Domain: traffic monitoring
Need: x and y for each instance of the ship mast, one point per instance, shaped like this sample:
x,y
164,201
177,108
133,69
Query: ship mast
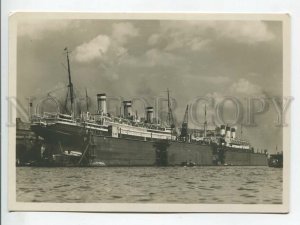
x,y
70,82
87,100
170,116
169,108
205,122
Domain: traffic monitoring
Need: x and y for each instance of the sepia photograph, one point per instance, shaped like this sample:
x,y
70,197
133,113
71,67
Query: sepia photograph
x,y
149,112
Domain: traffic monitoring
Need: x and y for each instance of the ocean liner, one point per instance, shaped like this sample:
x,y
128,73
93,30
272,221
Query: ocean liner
x,y
100,139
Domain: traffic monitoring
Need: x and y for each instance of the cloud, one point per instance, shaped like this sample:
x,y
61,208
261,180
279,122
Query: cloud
x,y
249,32
152,58
197,44
122,31
239,89
197,35
153,39
157,57
107,48
216,96
215,79
94,49
243,86
37,29
188,41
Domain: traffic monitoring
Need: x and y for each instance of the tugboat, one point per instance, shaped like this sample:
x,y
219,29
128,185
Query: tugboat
x,y
276,160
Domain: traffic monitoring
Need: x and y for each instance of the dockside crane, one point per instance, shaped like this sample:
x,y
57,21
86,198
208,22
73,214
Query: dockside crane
x,y
170,114
184,127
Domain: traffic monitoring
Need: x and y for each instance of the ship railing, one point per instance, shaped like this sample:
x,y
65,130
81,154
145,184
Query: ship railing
x,y
50,115
123,121
102,119
37,118
62,115
146,134
143,125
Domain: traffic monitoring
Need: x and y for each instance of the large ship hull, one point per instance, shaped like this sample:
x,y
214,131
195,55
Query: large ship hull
x,y
126,151
237,158
121,151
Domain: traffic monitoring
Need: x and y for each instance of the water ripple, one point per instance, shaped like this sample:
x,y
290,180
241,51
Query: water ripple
x,y
240,185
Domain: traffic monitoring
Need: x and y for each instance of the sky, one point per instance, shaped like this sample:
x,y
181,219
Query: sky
x,y
143,58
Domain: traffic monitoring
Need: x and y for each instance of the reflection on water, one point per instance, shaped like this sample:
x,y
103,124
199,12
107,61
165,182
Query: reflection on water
x,y
247,185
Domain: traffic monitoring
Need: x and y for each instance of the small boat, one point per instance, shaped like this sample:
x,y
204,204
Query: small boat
x,y
98,164
72,153
188,164
276,160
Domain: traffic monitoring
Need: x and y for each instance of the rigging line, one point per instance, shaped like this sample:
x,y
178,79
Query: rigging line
x,y
64,66
48,93
57,89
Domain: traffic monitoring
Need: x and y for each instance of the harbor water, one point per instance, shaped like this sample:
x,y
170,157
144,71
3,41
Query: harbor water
x,y
241,185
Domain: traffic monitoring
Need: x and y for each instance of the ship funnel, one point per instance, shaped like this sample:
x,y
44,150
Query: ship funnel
x,y
222,130
233,133
150,114
227,132
101,99
127,109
